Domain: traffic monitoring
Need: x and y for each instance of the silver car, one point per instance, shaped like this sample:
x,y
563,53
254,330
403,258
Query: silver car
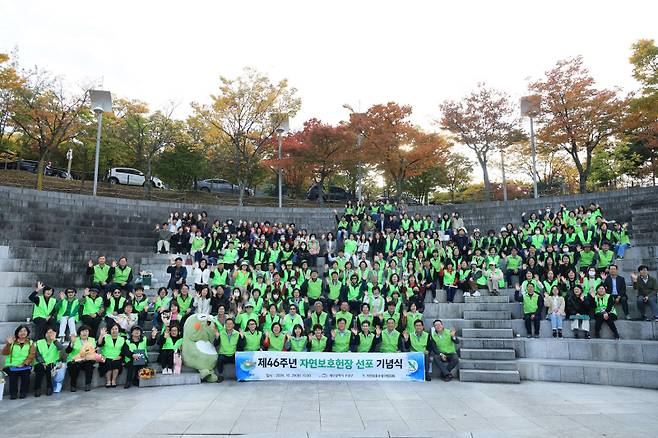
x,y
216,185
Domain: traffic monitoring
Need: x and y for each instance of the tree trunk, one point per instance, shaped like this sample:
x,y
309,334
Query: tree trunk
x,y
147,180
40,169
320,191
487,182
398,188
582,182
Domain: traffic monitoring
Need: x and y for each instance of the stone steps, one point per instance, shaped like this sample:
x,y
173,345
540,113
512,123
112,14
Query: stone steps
x,y
487,354
489,343
487,333
500,365
496,315
489,376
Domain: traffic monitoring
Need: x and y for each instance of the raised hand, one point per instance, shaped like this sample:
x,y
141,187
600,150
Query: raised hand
x,y
85,292
378,331
333,333
354,331
61,294
90,263
453,332
114,263
405,335
10,339
634,276
39,286
103,332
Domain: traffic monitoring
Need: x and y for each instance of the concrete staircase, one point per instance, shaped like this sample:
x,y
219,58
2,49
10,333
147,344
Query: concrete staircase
x,y
487,350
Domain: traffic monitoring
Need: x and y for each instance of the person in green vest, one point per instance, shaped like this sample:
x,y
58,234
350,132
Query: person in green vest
x,y
184,301
253,338
67,311
495,278
604,312
275,340
419,341
114,304
533,304
318,342
111,346
171,343
99,274
344,313
443,349
43,313
296,341
513,265
365,341
292,319
621,239
244,316
392,341
92,310
241,277
450,281
334,290
586,258
313,287
354,291
141,305
80,355
604,257
410,317
319,316
47,356
218,275
341,337
227,341
135,352
121,275
198,243
20,352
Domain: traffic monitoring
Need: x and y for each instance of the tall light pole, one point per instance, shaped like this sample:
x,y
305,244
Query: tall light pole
x,y
530,107
100,101
359,177
282,126
502,167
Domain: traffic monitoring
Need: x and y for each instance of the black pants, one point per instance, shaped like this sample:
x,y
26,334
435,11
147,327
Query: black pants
x,y
132,372
87,366
42,371
623,302
446,367
41,325
93,324
610,321
166,358
14,378
221,360
529,322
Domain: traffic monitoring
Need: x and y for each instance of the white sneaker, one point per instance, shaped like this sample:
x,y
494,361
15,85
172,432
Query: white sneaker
x,y
467,294
435,301
476,293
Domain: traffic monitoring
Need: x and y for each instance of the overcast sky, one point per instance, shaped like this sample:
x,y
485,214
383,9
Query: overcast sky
x,y
333,52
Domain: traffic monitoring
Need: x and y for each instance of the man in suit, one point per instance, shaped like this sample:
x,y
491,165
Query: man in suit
x,y
615,285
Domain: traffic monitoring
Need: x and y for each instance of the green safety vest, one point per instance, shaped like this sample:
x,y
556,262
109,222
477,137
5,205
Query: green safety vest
x,y
63,307
110,308
121,275
140,305
602,304
530,303
198,243
361,318
605,258
276,342
228,345
365,342
269,321
298,344
341,343
43,309
92,305
389,341
318,345
77,346
243,318
169,344
314,288
586,258
101,273
162,302
444,342
110,349
449,278
322,319
350,246
289,322
252,341
18,354
395,316
230,255
132,346
184,303
219,278
353,292
334,290
411,320
241,278
419,345
345,315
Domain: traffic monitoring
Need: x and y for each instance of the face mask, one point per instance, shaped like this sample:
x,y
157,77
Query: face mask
x,y
592,273
276,297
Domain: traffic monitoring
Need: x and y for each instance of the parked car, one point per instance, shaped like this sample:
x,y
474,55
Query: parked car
x,y
131,177
333,193
32,166
216,185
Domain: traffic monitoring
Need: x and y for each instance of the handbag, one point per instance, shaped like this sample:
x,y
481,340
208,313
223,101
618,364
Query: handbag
x,y
178,363
58,373
141,360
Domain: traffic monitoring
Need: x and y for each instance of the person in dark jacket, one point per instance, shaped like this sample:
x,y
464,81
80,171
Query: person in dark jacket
x,y
615,285
647,289
533,303
461,240
178,274
579,309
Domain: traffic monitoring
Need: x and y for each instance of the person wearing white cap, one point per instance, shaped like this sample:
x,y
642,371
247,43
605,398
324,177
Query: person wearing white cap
x,y
495,278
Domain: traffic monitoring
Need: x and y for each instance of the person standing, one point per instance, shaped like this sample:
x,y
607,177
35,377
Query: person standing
x,y
228,342
532,307
392,341
444,351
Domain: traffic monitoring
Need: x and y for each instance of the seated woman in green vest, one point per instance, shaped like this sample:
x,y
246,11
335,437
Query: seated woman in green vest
x,y
114,303
43,314
135,352
121,275
253,338
170,342
228,342
47,355
81,353
410,317
20,352
111,346
291,319
365,341
141,305
275,340
67,311
318,342
162,301
296,340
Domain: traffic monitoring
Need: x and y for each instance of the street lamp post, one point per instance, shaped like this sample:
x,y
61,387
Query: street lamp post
x,y
359,177
502,167
101,101
282,126
530,107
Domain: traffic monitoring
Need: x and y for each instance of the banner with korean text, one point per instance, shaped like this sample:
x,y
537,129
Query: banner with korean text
x,y
272,365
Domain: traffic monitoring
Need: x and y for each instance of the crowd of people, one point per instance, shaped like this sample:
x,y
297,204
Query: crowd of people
x,y
263,286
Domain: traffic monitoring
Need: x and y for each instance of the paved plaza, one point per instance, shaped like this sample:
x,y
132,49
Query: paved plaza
x,y
265,409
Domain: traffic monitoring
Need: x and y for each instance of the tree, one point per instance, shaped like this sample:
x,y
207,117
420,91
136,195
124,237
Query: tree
x,y
161,132
394,146
458,174
182,162
245,115
576,116
10,83
422,185
129,126
484,122
554,169
46,115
